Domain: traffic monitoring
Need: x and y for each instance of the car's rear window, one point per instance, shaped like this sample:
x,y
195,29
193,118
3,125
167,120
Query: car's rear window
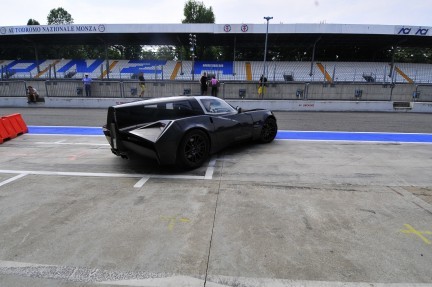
x,y
130,116
172,110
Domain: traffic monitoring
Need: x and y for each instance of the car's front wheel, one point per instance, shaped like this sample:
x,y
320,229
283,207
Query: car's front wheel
x,y
269,130
194,149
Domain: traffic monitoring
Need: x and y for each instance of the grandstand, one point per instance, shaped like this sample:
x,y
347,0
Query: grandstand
x,y
318,79
277,71
334,81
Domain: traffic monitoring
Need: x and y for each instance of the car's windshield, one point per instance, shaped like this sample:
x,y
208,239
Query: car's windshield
x,y
216,106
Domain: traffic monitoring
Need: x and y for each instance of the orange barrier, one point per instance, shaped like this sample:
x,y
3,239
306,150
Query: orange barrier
x,y
15,125
11,126
11,132
21,125
4,135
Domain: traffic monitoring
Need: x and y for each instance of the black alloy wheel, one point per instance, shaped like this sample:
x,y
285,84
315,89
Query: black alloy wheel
x,y
269,130
194,149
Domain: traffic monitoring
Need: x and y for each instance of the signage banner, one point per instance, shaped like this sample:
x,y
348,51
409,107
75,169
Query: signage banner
x,y
53,29
413,30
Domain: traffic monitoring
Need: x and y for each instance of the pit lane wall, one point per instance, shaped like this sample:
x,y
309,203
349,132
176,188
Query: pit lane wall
x,y
291,96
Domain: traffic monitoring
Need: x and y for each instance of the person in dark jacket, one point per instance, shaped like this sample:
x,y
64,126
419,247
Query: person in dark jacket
x,y
141,83
203,82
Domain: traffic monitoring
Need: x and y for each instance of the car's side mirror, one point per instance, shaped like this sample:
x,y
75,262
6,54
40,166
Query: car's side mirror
x,y
239,109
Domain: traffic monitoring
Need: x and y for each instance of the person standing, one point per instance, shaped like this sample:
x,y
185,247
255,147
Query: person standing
x,y
261,86
203,82
214,86
141,83
87,85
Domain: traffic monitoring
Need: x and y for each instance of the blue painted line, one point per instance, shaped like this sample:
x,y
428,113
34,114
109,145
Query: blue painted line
x,y
281,135
355,136
50,130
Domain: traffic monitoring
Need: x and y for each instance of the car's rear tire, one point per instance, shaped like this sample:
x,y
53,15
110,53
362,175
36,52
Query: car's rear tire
x,y
268,131
194,149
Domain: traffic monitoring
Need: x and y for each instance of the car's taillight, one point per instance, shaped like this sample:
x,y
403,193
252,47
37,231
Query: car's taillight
x,y
113,135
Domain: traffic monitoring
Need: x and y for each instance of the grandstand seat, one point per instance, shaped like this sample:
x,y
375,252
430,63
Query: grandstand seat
x,y
229,71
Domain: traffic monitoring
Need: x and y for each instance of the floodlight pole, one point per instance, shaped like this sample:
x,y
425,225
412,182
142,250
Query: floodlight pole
x,y
265,54
192,42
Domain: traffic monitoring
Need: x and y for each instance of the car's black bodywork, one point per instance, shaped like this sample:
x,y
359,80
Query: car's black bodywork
x,y
183,130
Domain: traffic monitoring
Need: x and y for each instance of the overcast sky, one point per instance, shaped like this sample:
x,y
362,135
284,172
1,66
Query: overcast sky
x,y
386,12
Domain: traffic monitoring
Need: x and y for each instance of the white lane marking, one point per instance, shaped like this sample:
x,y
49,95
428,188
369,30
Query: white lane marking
x,y
13,178
144,177
99,174
14,264
96,174
178,281
141,182
210,168
147,279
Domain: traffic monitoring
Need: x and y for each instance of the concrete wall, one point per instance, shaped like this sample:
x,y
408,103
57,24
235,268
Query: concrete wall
x,y
424,93
228,90
275,105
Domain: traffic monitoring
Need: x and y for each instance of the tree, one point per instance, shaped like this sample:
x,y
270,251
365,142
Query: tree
x,y
128,51
132,51
196,12
166,53
59,16
32,22
413,55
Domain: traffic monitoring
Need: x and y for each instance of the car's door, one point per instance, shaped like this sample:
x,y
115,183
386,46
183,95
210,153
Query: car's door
x,y
229,125
232,127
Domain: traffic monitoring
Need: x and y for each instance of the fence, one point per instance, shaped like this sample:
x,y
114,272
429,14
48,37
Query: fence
x,y
228,90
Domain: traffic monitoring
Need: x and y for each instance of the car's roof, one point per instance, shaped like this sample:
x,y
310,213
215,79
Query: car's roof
x,y
206,97
152,101
165,99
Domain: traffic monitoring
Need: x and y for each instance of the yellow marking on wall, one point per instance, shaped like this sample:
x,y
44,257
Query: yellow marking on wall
x,y
405,76
248,72
173,220
412,230
325,73
175,71
46,69
105,72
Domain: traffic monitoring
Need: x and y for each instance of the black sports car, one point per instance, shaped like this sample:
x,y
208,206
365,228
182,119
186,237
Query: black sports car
x,y
184,130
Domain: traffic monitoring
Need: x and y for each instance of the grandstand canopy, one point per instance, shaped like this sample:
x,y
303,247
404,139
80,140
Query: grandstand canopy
x,y
328,41
240,35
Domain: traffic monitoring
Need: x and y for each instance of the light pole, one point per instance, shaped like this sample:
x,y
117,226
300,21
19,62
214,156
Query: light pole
x,y
192,42
265,54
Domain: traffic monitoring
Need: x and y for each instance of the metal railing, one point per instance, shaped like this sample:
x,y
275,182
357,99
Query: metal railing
x,y
228,90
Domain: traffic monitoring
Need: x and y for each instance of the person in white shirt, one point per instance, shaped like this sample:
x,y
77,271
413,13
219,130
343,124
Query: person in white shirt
x,y
32,95
87,85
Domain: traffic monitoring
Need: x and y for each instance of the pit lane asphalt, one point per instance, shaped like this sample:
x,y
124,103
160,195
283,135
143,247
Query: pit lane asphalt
x,y
291,213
